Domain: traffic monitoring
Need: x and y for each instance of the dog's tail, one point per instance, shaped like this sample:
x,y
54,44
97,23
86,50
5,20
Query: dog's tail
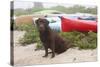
x,y
72,45
69,44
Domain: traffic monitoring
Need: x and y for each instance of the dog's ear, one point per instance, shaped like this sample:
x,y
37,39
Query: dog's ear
x,y
47,22
36,22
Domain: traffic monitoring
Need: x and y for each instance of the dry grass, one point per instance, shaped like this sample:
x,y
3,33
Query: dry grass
x,y
24,20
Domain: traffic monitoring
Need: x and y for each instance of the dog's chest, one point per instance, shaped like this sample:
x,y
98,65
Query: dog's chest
x,y
46,38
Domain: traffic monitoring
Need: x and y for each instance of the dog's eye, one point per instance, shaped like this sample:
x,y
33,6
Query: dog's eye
x,y
40,21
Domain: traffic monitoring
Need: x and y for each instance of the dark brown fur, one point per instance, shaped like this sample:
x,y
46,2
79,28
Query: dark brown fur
x,y
51,39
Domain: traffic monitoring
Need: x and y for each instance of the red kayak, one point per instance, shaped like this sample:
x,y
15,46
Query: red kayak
x,y
78,25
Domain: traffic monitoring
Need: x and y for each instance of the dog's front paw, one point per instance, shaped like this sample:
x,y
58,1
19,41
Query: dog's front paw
x,y
52,56
45,56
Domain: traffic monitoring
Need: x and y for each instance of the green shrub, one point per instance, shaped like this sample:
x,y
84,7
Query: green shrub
x,y
39,45
24,27
31,36
81,40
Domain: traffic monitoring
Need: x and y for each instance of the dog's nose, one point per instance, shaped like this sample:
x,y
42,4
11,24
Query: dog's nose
x,y
41,26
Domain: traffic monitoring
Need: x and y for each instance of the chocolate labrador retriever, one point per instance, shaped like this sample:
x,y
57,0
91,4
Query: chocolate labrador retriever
x,y
51,39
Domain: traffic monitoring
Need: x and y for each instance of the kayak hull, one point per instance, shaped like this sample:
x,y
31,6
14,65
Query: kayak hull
x,y
68,25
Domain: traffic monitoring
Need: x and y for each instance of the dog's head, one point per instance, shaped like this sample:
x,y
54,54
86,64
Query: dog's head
x,y
42,24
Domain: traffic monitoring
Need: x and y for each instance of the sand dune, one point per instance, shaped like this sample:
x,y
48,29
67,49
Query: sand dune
x,y
26,55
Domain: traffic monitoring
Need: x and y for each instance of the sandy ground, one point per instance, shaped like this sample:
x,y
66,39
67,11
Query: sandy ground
x,y
26,55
